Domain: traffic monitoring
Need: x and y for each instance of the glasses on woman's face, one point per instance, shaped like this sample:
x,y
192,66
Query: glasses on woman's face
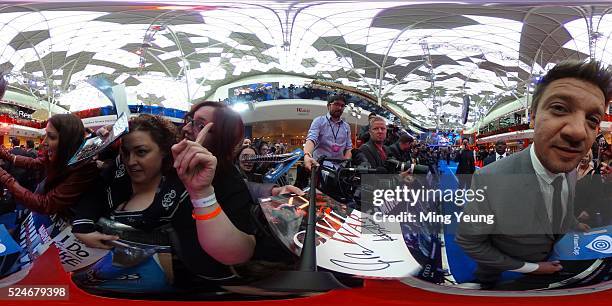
x,y
196,125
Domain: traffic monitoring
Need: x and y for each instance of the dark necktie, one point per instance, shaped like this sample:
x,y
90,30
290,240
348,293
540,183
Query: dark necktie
x,y
557,207
500,157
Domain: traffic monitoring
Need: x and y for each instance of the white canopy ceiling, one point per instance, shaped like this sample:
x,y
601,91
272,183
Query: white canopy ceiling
x,y
423,56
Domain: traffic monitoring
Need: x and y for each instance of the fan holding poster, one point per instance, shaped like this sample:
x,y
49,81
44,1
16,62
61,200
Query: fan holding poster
x,y
92,146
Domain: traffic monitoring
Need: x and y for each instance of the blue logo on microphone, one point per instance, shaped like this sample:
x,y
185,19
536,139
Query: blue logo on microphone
x,y
601,244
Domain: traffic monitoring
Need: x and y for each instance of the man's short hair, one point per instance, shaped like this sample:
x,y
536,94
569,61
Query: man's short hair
x,y
500,142
374,119
372,114
30,144
405,138
333,98
15,142
590,71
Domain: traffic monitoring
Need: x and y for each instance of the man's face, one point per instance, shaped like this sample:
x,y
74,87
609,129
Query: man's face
x,y
378,131
336,109
500,148
566,122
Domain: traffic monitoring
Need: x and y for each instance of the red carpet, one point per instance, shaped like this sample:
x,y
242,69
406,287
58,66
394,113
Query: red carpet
x,y
48,271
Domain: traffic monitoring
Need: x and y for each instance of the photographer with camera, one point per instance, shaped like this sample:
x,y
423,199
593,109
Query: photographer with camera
x,y
400,150
393,134
374,155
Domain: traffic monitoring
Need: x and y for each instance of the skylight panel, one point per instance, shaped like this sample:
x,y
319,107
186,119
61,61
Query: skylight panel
x,y
18,63
70,19
209,50
168,55
31,21
84,96
198,39
163,41
118,56
212,31
369,35
29,54
215,71
452,82
121,78
244,47
579,32
91,70
7,54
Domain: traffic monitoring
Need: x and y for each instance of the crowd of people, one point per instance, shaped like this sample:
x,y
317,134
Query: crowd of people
x,y
199,180
307,91
160,177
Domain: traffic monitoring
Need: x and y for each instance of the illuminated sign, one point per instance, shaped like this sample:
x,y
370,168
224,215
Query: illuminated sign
x,y
302,110
24,115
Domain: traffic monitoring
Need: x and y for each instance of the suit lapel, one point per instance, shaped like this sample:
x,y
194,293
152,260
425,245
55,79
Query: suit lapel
x,y
375,155
533,194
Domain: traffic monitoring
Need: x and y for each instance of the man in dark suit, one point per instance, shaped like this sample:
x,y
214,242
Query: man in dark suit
x,y
500,152
465,159
400,150
373,153
465,165
531,193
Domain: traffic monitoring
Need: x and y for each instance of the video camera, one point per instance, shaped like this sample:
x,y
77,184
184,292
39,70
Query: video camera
x,y
342,181
396,166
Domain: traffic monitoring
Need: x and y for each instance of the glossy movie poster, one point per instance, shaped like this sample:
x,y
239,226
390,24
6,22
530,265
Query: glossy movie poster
x,y
347,239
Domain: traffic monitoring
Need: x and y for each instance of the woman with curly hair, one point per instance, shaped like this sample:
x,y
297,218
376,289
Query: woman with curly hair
x,y
142,189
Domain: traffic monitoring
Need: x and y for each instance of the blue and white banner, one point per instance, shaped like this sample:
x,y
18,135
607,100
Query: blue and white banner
x,y
584,246
7,244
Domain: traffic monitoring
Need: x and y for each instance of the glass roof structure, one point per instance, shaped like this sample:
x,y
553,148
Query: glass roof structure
x,y
421,56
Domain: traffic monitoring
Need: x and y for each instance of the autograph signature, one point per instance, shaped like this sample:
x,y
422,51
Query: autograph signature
x,y
365,259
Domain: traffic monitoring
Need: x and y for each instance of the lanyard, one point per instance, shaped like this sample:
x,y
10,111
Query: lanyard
x,y
332,130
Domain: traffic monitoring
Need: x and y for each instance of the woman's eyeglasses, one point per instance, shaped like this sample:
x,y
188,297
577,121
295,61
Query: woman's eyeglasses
x,y
196,125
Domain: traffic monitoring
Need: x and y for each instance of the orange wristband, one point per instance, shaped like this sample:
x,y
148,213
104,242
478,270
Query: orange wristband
x,y
209,215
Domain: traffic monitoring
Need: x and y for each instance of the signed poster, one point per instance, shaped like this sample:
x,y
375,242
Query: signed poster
x,y
92,146
347,240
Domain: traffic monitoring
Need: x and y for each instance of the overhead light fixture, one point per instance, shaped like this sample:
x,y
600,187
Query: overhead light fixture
x,y
240,107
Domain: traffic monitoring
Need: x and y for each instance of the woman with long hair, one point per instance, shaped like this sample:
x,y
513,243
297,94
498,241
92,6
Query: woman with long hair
x,y
142,189
63,185
204,161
